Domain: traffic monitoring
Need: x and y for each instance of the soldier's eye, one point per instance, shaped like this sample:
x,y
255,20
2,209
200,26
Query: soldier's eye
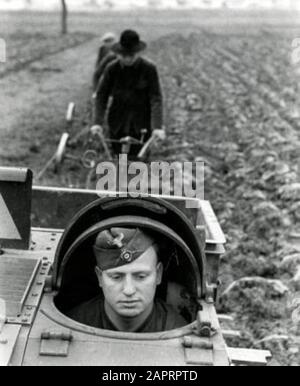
x,y
141,276
116,277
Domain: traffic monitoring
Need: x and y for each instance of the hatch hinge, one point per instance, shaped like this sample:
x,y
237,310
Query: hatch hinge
x,y
204,325
55,343
198,351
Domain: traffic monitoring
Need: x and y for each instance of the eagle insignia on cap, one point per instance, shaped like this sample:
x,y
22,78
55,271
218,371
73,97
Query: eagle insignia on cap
x,y
126,256
117,241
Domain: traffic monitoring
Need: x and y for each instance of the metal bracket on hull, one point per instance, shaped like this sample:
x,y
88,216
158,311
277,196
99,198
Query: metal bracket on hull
x,y
55,343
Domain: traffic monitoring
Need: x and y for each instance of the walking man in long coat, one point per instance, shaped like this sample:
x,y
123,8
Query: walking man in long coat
x,y
131,84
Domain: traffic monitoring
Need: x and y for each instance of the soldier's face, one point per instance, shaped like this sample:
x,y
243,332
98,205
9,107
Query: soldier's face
x,y
128,60
129,290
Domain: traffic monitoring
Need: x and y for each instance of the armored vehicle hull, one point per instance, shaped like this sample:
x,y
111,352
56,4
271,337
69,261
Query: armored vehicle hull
x,y
35,282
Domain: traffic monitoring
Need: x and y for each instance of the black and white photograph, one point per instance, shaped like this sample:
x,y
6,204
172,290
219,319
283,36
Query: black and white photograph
x,y
149,186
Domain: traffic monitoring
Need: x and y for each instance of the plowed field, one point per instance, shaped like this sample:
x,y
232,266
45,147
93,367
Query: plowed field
x,y
231,99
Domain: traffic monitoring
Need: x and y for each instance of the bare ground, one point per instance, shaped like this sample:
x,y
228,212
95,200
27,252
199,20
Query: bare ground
x,y
34,101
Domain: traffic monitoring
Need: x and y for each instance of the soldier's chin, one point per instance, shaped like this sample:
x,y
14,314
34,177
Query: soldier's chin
x,y
129,313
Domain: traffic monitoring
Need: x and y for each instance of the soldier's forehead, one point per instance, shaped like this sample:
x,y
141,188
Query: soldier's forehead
x,y
125,269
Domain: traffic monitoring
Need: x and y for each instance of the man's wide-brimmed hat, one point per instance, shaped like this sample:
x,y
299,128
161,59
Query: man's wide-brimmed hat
x,y
129,43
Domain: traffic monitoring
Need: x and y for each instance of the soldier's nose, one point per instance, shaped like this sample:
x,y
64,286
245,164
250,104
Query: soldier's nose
x,y
129,288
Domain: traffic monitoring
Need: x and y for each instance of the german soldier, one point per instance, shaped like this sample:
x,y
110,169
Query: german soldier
x,y
129,271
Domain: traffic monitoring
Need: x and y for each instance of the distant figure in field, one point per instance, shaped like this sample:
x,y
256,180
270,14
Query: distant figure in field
x,y
132,84
105,56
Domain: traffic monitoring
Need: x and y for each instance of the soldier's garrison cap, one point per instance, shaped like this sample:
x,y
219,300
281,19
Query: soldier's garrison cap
x,y
116,247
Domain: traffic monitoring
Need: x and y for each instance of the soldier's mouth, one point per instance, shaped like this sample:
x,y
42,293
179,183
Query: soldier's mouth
x,y
129,302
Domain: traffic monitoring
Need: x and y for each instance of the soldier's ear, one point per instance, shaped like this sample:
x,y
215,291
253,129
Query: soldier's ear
x,y
99,275
159,270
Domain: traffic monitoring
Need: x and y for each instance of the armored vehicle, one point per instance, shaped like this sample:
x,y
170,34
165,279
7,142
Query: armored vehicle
x,y
47,267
